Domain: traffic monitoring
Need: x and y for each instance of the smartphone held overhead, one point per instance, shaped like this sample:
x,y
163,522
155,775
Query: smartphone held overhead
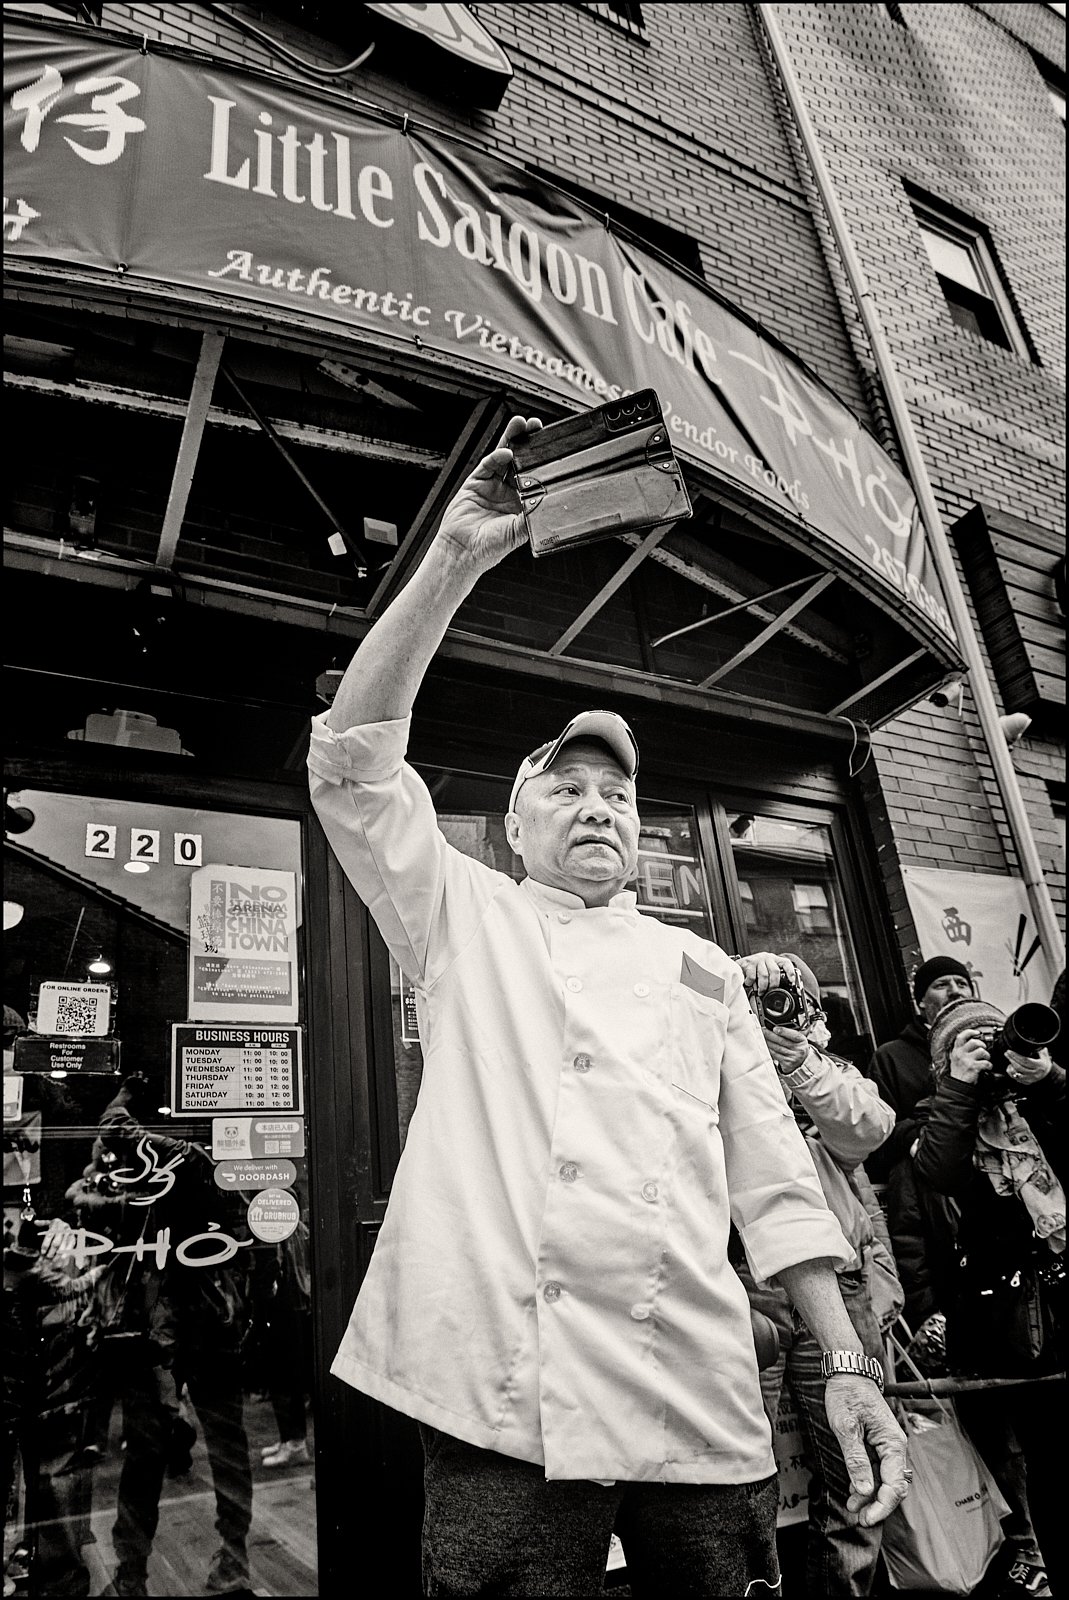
x,y
608,472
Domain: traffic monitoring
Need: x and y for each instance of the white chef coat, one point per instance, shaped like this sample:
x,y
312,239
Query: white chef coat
x,y
551,1278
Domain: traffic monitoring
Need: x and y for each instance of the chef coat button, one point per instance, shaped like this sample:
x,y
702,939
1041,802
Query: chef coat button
x,y
642,990
551,1292
582,1062
640,1313
564,916
573,985
650,1192
569,1171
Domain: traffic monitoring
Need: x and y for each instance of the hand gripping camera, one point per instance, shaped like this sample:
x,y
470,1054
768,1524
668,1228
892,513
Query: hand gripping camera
x,y
1026,1031
789,1005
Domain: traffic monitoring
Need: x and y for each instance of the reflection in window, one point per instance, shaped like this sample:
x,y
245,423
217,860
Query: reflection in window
x,y
159,1437
793,902
811,907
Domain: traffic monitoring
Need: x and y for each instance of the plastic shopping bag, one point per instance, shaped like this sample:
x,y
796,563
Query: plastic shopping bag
x,y
946,1532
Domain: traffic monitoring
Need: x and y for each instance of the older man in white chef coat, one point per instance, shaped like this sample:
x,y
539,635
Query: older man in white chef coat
x,y
550,1295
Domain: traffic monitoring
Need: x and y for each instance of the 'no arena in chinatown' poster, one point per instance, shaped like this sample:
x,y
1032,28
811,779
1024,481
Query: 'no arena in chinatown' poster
x,y
242,945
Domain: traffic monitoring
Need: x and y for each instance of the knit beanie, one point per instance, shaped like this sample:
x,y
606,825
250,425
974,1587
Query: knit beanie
x,y
953,1020
937,967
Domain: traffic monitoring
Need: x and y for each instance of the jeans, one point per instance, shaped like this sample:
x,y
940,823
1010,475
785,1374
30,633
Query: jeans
x,y
150,1408
494,1526
1034,1415
841,1555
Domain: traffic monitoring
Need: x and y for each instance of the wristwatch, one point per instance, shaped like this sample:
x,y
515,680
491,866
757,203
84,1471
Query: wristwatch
x,y
852,1363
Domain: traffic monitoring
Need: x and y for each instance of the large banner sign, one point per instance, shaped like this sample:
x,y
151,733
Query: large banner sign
x,y
156,169
985,921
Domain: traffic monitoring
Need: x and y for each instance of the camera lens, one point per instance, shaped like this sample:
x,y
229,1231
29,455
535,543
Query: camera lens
x,y
780,1007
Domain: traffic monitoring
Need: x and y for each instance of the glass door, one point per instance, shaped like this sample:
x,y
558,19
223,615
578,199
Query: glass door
x,y
158,1278
792,901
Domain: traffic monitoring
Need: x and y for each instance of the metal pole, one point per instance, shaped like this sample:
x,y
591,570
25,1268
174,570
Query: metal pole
x,y
1005,776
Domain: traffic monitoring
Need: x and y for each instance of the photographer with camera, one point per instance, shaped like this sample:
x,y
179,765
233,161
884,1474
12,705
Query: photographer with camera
x,y
993,1138
550,1294
842,1118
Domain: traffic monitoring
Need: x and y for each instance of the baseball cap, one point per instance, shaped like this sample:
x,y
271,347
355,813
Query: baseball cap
x,y
605,726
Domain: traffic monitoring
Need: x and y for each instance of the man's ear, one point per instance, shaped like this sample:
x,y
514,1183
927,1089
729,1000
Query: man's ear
x,y
513,828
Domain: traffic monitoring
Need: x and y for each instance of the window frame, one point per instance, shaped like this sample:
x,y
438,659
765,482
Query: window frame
x,y
619,17
932,218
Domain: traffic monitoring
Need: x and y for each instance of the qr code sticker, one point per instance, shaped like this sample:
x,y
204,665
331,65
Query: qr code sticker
x,y
73,1009
75,1015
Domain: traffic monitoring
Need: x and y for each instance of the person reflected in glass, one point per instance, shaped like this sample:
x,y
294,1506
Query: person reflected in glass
x,y
167,1329
46,1390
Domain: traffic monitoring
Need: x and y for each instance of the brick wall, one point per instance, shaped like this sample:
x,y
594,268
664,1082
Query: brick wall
x,y
953,103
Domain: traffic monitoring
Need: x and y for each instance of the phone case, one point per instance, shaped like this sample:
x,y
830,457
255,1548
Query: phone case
x,y
609,471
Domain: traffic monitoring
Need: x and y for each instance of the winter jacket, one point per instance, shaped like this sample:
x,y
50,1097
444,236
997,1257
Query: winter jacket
x,y
996,1244
902,1072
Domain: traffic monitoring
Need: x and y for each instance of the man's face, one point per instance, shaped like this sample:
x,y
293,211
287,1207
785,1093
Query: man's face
x,y
576,826
941,993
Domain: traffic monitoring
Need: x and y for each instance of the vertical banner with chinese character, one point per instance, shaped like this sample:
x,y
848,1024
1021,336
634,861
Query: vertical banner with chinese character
x,y
983,920
242,945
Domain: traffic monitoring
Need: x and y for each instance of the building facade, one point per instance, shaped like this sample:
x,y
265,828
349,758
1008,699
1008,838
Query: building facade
x,y
231,446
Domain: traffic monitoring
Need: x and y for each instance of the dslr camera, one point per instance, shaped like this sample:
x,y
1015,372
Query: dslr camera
x,y
1026,1031
789,1005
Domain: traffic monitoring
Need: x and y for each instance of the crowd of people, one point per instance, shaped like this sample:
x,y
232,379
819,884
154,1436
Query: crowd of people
x,y
636,1204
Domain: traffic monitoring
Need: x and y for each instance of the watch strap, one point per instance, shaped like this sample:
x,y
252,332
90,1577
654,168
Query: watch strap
x,y
851,1363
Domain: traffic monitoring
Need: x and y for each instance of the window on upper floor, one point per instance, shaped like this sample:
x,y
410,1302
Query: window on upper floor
x,y
965,264
625,14
1054,78
670,242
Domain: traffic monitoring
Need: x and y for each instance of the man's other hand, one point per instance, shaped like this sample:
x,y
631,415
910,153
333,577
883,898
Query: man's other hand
x,y
859,1416
1028,1069
787,1047
483,521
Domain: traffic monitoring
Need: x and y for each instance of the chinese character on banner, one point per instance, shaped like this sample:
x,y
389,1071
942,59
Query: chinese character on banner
x,y
106,114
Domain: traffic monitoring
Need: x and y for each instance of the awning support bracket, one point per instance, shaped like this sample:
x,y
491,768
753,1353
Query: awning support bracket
x,y
485,422
337,531
729,611
200,399
607,590
774,627
876,683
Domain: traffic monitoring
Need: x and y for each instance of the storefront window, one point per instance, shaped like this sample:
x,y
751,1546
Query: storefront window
x,y
157,1273
793,901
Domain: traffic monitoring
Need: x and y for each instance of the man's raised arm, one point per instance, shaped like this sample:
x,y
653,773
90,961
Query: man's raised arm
x,y
482,523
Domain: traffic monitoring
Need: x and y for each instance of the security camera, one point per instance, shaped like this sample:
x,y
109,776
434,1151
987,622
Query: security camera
x,y
947,694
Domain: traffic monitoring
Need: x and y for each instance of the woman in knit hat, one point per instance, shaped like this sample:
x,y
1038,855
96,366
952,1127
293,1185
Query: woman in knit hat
x,y
994,1141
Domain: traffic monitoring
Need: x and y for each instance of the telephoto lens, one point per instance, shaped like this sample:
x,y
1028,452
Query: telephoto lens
x,y
1030,1029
